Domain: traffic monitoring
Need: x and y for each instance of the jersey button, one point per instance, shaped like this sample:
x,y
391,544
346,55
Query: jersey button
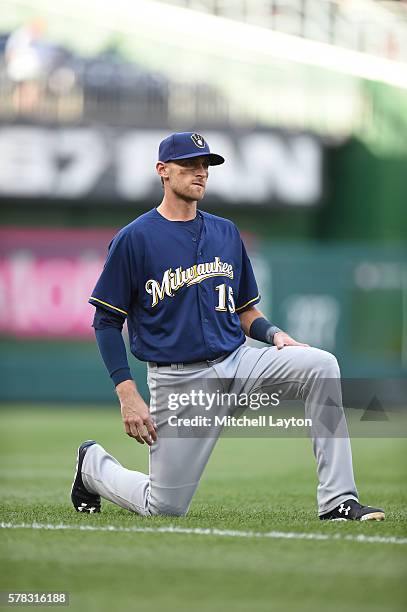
x,y
205,320
194,239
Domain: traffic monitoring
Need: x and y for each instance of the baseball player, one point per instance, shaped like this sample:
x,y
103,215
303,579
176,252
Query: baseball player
x,y
183,280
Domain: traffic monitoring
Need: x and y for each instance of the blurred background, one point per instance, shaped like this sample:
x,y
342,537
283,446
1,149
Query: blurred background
x,y
306,99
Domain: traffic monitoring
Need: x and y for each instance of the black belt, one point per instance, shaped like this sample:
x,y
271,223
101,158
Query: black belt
x,y
207,363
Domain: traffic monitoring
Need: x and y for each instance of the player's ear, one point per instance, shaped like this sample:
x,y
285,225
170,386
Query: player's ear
x,y
161,169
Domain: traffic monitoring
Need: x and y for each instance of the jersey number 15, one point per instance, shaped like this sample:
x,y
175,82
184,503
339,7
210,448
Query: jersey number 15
x,y
225,291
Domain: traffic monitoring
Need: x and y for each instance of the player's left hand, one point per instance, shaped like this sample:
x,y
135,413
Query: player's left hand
x,y
281,339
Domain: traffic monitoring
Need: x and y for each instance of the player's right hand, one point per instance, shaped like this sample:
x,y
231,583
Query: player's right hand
x,y
136,417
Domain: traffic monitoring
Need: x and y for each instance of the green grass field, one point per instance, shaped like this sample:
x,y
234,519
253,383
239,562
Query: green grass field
x,y
259,485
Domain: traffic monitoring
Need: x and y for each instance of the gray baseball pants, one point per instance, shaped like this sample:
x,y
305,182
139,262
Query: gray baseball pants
x,y
177,463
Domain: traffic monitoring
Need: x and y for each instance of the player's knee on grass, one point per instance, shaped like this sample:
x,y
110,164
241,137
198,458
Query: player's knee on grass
x,y
160,509
173,502
170,500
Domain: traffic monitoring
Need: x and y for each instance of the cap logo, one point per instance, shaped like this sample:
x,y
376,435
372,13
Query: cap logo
x,y
198,141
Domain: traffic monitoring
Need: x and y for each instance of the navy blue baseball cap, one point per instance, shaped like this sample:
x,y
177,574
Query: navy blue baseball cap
x,y
182,145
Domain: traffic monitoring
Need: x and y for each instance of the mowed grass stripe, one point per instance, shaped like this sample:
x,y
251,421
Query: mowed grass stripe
x,y
278,535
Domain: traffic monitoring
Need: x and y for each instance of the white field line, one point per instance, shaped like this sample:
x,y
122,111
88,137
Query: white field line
x,y
276,535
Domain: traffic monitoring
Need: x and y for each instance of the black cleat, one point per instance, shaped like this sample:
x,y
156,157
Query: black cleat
x,y
82,500
351,510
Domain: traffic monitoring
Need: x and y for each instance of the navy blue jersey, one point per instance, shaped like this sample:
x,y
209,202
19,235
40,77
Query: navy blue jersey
x,y
181,285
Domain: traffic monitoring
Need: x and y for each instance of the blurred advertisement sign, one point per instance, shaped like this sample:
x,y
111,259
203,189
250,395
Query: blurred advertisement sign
x,y
267,168
46,277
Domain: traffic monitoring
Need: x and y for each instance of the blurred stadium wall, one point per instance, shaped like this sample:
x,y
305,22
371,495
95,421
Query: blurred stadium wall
x,y
309,107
